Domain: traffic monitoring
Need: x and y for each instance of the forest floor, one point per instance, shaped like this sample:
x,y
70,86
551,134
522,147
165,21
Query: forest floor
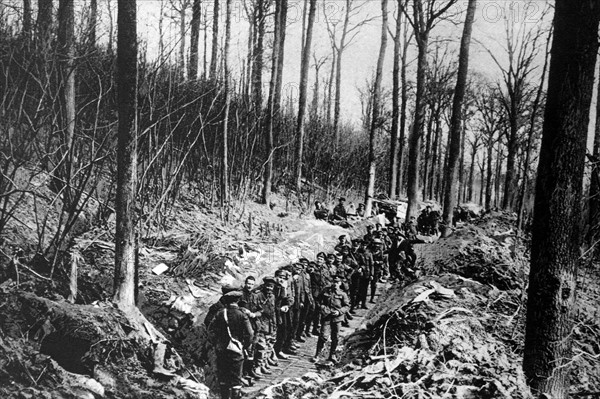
x,y
456,332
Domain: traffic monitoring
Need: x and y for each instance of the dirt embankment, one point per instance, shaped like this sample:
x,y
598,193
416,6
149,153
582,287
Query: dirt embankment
x,y
52,348
457,332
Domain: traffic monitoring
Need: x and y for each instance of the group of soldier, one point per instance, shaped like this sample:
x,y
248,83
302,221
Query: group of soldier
x,y
253,328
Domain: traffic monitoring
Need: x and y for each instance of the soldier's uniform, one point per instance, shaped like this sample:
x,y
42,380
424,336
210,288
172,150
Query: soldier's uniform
x,y
230,321
266,323
309,305
365,259
378,266
283,300
334,305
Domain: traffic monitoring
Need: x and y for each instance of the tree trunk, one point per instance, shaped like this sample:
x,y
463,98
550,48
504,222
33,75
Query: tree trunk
x,y
194,40
488,182
414,141
338,75
303,91
375,122
534,110
456,127
510,181
257,54
594,202
27,20
498,177
66,45
404,98
330,88
182,29
125,250
44,24
93,22
215,41
471,174
395,105
427,154
556,230
273,107
225,149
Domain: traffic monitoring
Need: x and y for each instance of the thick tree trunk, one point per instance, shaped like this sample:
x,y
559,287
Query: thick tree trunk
x,y
303,92
194,40
556,231
376,109
215,41
594,202
395,105
404,100
66,44
125,249
456,126
510,181
414,141
44,24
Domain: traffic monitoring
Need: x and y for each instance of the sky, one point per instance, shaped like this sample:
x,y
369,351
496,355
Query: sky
x,y
492,18
489,33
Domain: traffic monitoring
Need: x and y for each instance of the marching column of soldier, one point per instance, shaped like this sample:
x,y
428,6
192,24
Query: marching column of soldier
x,y
271,319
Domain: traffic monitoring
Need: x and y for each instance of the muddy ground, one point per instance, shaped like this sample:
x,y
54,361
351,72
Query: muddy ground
x,y
456,332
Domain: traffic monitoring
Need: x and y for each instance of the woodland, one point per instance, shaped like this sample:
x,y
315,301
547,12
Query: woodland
x,y
121,151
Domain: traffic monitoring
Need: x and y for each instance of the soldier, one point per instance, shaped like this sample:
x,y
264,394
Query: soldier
x,y
264,310
365,259
321,213
342,242
248,306
369,236
283,301
339,212
378,265
308,299
334,305
217,306
299,305
230,324
320,280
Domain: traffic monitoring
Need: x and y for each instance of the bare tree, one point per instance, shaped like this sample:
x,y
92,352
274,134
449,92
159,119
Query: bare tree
x,y
556,230
349,33
181,7
195,39
225,150
93,23
456,121
274,99
215,40
425,16
125,204
27,20
521,49
375,120
303,92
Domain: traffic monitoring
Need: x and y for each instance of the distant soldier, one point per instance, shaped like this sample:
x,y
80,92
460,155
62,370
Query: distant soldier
x,y
230,323
321,213
378,265
339,212
334,305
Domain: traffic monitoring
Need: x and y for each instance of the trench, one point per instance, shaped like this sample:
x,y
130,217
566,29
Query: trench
x,y
182,316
